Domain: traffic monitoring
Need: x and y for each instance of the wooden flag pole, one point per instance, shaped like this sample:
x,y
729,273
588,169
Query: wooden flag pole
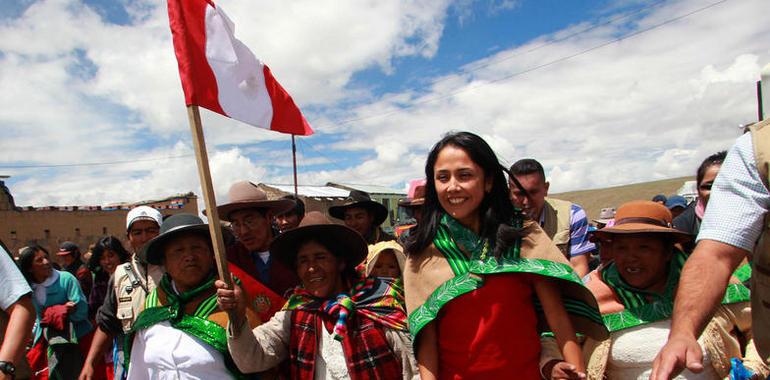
x,y
294,160
201,156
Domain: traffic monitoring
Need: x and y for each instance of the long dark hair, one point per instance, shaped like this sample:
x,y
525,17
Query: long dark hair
x,y
27,257
107,243
715,159
495,210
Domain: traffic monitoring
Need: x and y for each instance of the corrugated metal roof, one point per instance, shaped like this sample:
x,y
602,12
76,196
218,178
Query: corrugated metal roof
x,y
371,189
312,191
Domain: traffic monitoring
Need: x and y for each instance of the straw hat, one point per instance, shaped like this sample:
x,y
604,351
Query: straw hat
x,y
348,243
244,195
638,217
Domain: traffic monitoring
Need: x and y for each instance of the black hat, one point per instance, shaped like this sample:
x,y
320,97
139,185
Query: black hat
x,y
152,252
349,245
358,198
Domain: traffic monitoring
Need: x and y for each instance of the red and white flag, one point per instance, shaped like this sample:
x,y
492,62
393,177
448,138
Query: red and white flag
x,y
221,74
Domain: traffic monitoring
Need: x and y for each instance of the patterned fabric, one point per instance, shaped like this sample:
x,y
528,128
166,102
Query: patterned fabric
x,y
164,304
377,299
738,201
367,352
642,307
358,321
453,240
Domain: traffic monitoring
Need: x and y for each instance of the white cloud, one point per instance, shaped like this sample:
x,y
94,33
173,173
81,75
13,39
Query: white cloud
x,y
648,107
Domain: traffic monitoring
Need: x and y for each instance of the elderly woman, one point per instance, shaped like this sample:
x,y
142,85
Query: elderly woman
x,y
62,316
181,332
636,296
335,325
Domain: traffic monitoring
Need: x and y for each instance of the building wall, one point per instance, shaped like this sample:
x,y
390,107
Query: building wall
x,y
50,226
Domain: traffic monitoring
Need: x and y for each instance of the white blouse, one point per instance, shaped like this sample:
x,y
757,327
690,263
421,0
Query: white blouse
x,y
163,352
633,351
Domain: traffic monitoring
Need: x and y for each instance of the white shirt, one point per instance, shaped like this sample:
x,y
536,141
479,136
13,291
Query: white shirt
x,y
633,351
329,359
162,352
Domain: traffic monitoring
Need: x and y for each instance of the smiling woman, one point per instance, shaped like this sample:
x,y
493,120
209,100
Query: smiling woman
x,y
636,294
336,324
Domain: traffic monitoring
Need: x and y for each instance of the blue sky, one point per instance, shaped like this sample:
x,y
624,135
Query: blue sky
x,y
89,81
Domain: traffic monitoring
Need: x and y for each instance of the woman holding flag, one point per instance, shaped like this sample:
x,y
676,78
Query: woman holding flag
x,y
336,325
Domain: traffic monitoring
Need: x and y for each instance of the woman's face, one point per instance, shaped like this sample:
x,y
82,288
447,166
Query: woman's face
x,y
41,267
109,261
319,270
460,185
704,187
188,260
642,260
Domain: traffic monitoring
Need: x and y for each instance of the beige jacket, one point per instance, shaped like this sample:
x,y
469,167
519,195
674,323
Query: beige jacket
x,y
720,341
267,345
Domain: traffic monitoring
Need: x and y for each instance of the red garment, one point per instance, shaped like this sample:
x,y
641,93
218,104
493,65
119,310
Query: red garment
x,y
266,302
55,316
282,278
491,332
367,352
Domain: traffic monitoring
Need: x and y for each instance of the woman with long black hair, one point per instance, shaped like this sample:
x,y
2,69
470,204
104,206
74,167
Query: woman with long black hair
x,y
479,276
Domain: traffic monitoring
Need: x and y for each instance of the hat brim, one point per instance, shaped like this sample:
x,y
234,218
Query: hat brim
x,y
641,228
276,207
152,252
379,211
602,221
412,203
349,243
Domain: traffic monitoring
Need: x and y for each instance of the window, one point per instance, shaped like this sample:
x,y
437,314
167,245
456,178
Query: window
x,y
77,231
13,235
47,234
104,230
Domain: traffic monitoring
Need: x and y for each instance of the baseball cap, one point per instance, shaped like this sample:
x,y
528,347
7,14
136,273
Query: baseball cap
x,y
143,213
676,201
67,248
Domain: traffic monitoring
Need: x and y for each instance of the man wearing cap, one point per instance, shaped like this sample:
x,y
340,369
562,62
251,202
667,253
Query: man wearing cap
x,y
363,215
676,204
250,214
180,334
564,222
129,285
69,254
336,325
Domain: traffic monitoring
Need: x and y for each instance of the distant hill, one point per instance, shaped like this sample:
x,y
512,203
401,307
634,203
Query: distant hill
x,y
594,200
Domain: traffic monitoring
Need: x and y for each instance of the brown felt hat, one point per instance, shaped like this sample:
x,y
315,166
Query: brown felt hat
x,y
348,244
245,195
638,217
358,198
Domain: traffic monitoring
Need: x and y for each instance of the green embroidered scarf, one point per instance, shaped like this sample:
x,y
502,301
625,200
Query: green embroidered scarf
x,y
197,324
453,240
642,307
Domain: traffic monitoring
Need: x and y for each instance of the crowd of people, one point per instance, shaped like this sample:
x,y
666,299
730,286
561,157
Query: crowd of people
x,y
491,278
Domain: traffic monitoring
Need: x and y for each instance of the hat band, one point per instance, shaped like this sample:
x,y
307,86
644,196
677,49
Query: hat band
x,y
643,220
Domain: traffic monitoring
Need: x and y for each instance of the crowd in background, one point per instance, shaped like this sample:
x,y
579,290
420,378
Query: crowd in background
x,y
489,278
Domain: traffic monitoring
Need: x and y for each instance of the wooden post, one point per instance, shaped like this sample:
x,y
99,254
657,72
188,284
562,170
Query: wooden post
x,y
294,160
208,195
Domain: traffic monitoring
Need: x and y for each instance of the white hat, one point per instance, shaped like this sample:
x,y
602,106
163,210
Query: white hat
x,y
143,213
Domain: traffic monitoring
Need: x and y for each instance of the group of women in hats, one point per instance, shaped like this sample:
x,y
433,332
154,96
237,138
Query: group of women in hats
x,y
485,295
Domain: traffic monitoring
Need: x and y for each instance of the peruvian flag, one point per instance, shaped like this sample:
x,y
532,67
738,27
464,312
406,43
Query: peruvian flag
x,y
221,74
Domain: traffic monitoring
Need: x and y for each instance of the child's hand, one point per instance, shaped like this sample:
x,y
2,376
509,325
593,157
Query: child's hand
x,y
564,370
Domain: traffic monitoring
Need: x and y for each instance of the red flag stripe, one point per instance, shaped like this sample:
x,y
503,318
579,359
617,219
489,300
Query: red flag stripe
x,y
283,121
